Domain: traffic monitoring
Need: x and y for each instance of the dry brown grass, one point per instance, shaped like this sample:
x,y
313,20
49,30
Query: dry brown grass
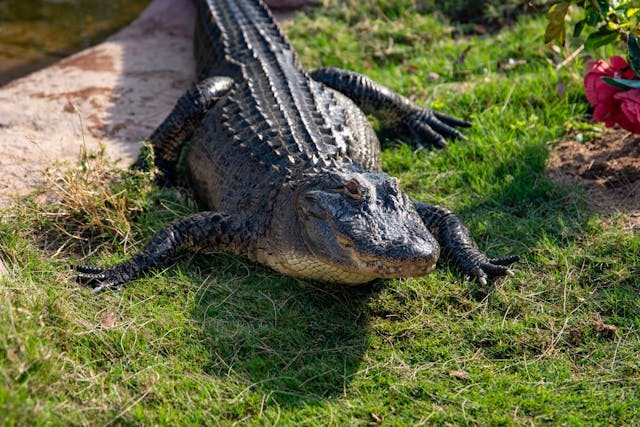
x,y
96,201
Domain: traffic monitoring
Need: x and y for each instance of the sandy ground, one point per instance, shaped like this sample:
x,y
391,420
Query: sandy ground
x,y
113,94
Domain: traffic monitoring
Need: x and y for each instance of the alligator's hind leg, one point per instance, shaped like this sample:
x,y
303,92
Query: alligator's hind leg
x,y
458,246
212,231
182,121
426,126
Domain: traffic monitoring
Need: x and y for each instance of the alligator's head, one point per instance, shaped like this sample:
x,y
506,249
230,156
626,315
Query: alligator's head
x,y
353,227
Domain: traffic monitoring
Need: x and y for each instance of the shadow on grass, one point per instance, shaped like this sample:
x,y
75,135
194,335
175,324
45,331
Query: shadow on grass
x,y
538,218
291,341
527,206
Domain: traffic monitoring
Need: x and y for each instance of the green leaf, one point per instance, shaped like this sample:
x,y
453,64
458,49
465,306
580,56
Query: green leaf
x,y
555,29
622,83
593,17
634,54
601,37
612,26
603,5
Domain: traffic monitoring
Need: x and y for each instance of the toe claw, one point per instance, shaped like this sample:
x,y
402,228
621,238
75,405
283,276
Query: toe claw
x,y
97,289
479,274
433,127
486,271
103,287
98,278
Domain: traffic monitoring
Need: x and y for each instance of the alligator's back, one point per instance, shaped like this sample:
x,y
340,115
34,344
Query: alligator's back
x,y
274,121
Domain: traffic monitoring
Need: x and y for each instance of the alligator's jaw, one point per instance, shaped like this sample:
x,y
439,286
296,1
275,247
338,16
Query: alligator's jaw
x,y
311,268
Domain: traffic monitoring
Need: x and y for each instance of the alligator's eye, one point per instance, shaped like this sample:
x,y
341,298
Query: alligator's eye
x,y
352,189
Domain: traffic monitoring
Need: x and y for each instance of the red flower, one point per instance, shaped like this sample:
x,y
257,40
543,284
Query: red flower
x,y
603,96
630,108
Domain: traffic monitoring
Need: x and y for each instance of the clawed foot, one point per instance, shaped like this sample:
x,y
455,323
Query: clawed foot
x,y
485,270
99,278
431,127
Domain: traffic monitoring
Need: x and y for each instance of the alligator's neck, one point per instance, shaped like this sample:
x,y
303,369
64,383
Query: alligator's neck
x,y
276,92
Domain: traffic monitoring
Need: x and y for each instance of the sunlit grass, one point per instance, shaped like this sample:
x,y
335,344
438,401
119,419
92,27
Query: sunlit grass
x,y
219,340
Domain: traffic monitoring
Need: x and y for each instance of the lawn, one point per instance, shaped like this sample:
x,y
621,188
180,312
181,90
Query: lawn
x,y
219,340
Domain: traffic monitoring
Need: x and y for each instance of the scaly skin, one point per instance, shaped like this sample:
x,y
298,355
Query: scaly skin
x,y
288,167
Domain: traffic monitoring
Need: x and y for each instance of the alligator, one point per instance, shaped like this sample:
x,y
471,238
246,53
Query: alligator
x,y
288,167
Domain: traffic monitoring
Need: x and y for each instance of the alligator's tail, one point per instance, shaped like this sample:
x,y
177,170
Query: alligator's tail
x,y
226,31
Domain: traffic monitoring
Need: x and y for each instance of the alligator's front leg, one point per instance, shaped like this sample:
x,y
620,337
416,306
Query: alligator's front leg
x,y
426,126
182,121
213,231
458,245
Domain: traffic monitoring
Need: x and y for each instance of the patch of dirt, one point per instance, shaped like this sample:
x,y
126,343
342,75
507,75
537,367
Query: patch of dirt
x,y
608,168
94,60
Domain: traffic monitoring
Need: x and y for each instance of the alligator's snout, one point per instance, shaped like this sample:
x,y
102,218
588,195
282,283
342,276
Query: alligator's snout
x,y
409,257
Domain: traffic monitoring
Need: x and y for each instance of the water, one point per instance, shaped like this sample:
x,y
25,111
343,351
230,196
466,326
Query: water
x,y
36,33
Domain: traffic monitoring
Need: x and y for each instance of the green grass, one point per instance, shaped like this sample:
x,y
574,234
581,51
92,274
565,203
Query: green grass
x,y
219,340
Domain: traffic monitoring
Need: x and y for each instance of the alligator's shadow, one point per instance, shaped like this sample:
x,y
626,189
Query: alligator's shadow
x,y
290,341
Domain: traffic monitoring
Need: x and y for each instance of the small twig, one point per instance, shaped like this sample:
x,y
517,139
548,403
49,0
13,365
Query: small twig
x,y
570,57
459,62
4,271
506,101
615,353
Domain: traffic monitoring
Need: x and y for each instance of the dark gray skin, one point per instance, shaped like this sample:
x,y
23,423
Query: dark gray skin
x,y
289,167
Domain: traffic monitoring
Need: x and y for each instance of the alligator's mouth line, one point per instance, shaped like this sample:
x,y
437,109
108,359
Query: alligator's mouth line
x,y
384,270
368,271
309,267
